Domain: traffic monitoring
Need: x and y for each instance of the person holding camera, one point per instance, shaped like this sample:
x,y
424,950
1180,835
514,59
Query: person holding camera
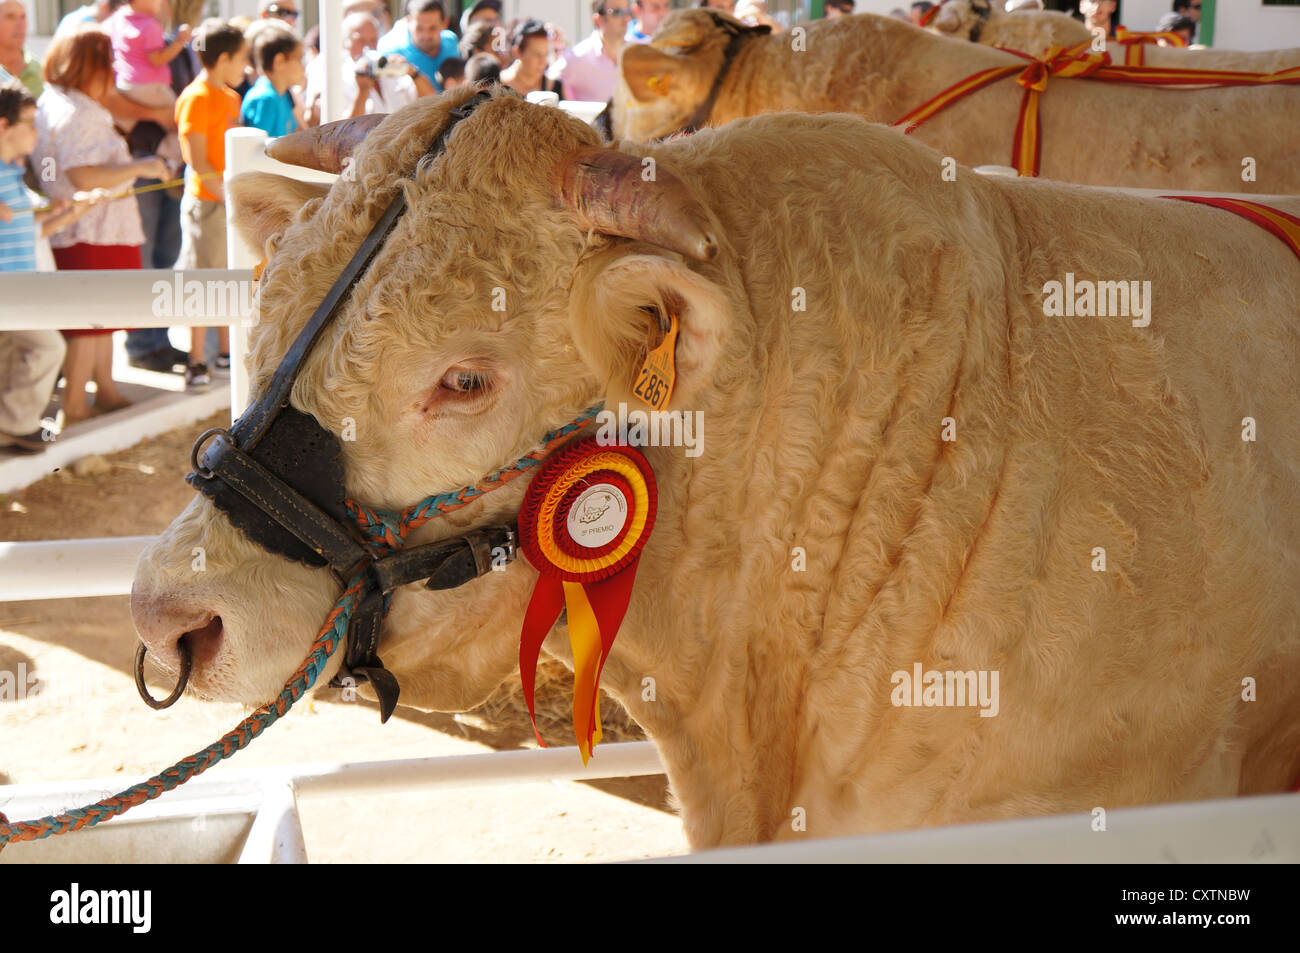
x,y
372,82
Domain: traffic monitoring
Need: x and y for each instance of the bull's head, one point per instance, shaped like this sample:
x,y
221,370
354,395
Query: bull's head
x,y
963,19
670,83
522,285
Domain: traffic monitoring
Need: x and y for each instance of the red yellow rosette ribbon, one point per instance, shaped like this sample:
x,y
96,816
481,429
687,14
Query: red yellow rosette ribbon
x,y
582,526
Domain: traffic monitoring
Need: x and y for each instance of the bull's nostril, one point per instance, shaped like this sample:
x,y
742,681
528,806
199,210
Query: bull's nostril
x,y
204,642
163,620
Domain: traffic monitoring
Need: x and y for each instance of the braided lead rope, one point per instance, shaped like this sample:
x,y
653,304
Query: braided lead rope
x,y
331,635
387,531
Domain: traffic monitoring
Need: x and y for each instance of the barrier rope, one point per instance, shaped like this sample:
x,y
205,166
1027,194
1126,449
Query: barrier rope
x,y
1075,62
128,193
386,531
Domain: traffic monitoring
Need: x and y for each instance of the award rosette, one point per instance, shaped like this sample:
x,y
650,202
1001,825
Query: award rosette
x,y
583,523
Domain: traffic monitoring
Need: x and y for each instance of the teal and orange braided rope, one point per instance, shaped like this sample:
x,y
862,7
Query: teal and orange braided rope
x,y
331,634
387,531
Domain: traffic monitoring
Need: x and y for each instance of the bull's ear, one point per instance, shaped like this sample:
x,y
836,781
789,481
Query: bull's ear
x,y
648,72
621,305
264,204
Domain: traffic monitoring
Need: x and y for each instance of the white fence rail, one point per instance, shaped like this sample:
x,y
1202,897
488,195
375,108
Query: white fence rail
x,y
72,300
69,568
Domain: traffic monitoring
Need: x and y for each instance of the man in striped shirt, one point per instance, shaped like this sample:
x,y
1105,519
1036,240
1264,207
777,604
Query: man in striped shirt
x,y
29,360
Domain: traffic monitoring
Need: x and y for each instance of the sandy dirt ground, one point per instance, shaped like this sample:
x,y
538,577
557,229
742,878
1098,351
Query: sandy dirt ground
x,y
88,722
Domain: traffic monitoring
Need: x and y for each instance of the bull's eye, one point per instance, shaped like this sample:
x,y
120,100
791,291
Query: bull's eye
x,y
464,388
465,382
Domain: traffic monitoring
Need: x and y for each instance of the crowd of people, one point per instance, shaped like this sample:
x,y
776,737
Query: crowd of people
x,y
1184,18
113,147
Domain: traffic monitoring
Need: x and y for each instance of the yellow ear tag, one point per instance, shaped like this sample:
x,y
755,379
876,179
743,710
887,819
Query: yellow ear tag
x,y
258,269
659,84
654,384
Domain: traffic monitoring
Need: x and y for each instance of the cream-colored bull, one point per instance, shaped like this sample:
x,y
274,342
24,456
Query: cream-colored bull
x,y
1096,133
909,465
1030,31
1035,31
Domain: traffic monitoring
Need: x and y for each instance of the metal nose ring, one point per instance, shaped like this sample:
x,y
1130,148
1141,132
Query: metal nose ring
x,y
187,662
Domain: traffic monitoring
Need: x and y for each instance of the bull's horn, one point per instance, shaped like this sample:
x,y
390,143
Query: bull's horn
x,y
325,147
606,190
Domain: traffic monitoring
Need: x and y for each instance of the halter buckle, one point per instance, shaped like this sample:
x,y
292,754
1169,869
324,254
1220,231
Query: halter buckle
x,y
199,445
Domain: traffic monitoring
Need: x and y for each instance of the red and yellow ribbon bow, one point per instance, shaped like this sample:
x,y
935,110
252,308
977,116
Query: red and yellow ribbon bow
x,y
583,524
1136,41
1026,147
1076,63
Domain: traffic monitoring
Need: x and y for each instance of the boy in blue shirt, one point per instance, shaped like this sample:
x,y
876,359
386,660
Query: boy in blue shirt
x,y
268,105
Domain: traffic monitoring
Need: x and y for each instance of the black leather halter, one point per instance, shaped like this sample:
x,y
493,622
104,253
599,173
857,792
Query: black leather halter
x,y
277,474
739,34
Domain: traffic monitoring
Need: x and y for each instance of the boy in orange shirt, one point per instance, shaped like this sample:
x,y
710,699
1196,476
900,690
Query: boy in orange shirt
x,y
205,109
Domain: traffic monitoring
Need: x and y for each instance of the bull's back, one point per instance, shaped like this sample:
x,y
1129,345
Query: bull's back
x,y
1249,61
1092,132
1186,442
1102,133
1034,31
1219,342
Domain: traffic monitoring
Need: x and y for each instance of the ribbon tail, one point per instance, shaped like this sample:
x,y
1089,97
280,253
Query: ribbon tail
x,y
609,600
543,609
584,639
1025,148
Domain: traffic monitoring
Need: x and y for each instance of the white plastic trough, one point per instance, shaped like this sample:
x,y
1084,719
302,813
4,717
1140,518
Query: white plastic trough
x,y
252,817
1234,831
222,822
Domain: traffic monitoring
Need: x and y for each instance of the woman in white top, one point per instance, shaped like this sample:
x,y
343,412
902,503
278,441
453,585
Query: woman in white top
x,y
531,48
77,149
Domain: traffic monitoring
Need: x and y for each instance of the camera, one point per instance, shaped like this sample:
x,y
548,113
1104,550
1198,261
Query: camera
x,y
375,65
